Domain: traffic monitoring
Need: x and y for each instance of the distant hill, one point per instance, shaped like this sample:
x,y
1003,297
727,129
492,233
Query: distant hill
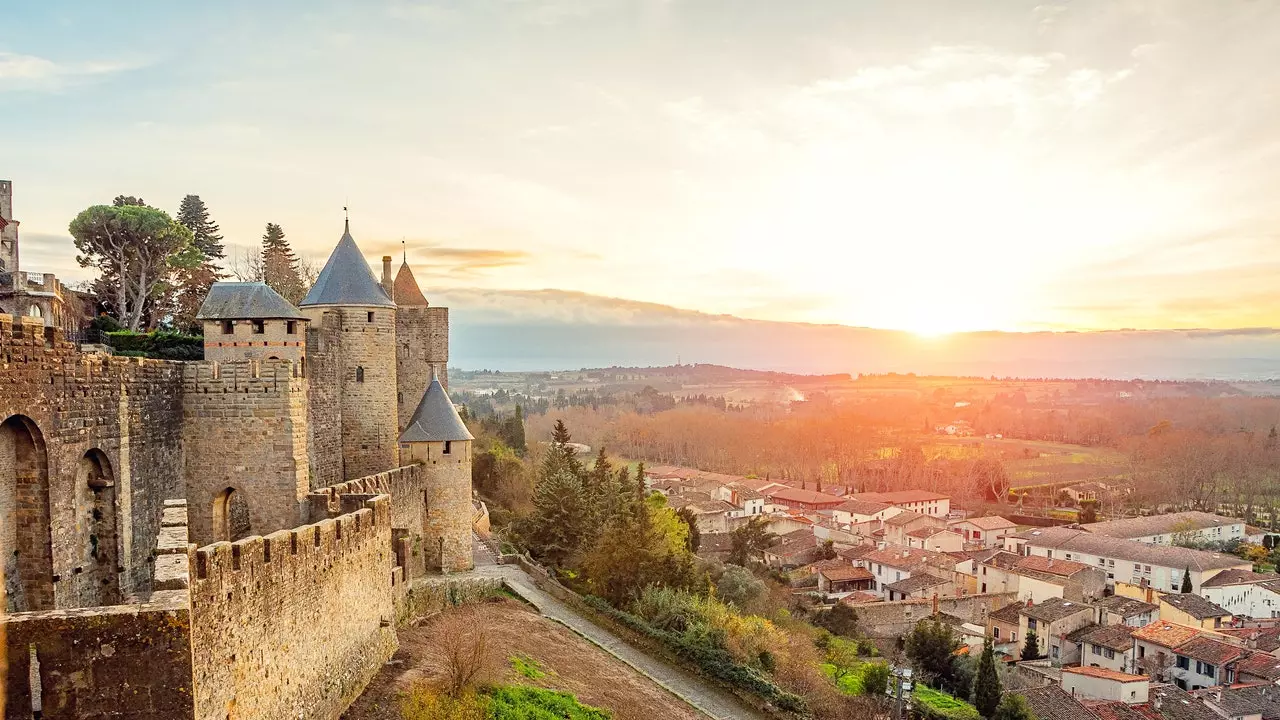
x,y
552,329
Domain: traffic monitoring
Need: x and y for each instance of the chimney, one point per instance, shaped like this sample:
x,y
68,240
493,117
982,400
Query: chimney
x,y
935,603
388,283
1150,596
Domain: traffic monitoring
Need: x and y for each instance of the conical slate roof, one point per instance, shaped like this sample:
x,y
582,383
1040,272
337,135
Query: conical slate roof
x,y
406,289
436,419
346,279
246,301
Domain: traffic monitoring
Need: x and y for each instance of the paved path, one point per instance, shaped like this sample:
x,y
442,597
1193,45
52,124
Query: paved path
x,y
699,693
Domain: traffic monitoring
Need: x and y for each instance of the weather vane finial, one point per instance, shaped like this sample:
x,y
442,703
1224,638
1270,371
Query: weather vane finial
x,y
404,249
346,220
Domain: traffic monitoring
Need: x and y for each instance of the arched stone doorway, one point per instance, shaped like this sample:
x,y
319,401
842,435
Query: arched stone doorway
x,y
231,516
96,502
24,516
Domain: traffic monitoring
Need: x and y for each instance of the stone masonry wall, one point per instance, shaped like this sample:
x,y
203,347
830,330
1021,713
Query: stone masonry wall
x,y
294,625
449,512
127,412
245,428
892,619
406,486
243,343
422,343
324,400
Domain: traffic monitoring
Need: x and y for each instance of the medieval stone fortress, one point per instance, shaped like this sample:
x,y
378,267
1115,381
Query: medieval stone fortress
x,y
234,537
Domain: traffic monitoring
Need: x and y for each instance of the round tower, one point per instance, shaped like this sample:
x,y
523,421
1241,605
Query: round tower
x,y
347,299
437,439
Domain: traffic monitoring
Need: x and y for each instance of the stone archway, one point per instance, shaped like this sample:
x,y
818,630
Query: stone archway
x,y
96,501
231,516
25,541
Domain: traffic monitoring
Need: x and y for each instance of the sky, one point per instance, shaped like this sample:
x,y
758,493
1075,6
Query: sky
x,y
925,166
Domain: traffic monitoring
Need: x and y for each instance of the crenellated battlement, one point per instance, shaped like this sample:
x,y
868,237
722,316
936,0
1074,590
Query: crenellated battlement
x,y
246,376
242,563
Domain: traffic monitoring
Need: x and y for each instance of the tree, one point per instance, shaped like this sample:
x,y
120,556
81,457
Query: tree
x,y
1031,646
136,248
875,679
986,686
690,519
1088,511
747,542
1186,580
556,527
1013,707
931,646
192,284
839,620
843,657
280,266
827,550
462,651
737,585
512,431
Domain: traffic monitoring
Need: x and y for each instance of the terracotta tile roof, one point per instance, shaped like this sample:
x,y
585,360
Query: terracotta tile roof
x,y
1054,609
1237,576
1165,634
1159,524
987,522
1003,560
1008,614
897,556
927,532
821,565
808,497
1052,566
1260,665
917,581
1051,702
1116,637
1240,700
900,497
1104,673
1125,607
1171,703
1132,551
846,573
1116,710
1194,605
1267,639
862,507
1209,650
860,598
904,517
857,552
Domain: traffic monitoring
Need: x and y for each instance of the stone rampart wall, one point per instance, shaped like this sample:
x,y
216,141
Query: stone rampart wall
x,y
245,429
891,619
294,624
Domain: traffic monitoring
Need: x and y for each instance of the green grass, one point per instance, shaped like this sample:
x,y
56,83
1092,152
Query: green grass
x,y
850,684
521,702
528,667
947,705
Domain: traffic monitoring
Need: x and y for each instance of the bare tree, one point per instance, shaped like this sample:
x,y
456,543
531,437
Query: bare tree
x,y
246,265
462,651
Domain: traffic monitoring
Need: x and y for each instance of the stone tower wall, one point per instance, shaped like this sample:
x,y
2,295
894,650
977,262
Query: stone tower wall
x,y
422,343
448,520
243,343
365,352
294,625
407,488
128,412
324,400
8,236
245,428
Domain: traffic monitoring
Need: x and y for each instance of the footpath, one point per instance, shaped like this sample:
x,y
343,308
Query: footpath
x,y
710,700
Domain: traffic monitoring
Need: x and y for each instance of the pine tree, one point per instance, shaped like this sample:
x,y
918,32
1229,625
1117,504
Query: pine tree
x,y
1013,707
280,266
1031,647
192,284
986,684
1186,580
641,491
556,524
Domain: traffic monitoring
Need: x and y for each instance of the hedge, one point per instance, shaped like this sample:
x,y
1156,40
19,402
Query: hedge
x,y
713,661
933,704
162,345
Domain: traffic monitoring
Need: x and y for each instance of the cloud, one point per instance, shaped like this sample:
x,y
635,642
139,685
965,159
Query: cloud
x,y
30,72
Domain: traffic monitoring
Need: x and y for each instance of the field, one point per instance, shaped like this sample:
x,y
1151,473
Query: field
x,y
1033,462
536,651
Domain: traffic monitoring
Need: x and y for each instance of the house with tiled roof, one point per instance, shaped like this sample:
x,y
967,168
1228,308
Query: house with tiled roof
x,y
1172,528
895,563
1259,667
897,526
1038,578
853,511
1128,561
1099,683
1106,646
1263,639
1051,702
1243,702
792,550
1169,702
1244,593
1121,610
1003,627
989,531
936,539
919,586
798,499
845,579
1186,656
924,502
1193,610
1052,621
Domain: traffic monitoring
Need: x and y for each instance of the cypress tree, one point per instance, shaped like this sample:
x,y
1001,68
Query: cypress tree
x,y
280,266
1186,580
1031,648
986,684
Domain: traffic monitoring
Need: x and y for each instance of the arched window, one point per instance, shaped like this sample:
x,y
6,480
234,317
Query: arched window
x,y
230,516
24,510
34,311
359,374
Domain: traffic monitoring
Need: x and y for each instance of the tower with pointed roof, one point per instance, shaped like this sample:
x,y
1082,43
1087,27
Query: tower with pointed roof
x,y
436,438
355,323
422,341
